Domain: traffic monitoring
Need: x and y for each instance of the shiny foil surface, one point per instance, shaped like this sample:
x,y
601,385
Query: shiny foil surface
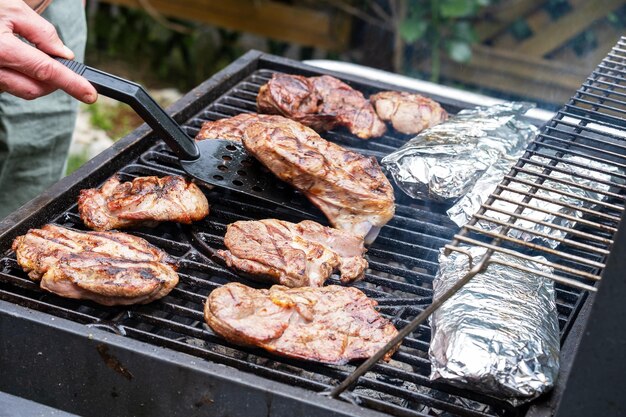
x,y
442,163
499,334
463,210
570,187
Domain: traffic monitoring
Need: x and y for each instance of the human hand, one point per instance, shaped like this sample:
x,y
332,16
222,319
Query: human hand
x,y
28,71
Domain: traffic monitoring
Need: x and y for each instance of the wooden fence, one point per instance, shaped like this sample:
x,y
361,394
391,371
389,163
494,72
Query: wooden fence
x,y
539,60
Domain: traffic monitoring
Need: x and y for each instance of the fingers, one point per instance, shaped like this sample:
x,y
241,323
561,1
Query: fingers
x,y
38,31
20,85
31,62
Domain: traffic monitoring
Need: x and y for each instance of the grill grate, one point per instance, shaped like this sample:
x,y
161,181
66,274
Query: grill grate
x,y
579,130
403,261
579,258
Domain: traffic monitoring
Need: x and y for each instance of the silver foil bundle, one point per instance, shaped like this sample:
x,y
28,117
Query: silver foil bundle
x,y
470,203
442,163
499,334
572,181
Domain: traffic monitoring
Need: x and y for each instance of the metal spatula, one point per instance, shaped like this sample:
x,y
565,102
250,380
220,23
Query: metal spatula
x,y
218,162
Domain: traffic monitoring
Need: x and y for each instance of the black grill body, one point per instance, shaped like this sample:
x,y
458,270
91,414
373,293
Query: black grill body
x,y
160,359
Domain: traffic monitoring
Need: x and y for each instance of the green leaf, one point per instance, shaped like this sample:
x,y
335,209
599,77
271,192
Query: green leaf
x,y
415,7
413,29
457,8
459,51
520,29
464,31
483,3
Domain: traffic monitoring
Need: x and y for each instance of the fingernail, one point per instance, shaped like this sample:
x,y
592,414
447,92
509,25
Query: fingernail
x,y
68,52
89,98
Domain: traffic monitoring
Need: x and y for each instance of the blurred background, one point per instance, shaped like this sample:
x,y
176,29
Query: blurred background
x,y
536,50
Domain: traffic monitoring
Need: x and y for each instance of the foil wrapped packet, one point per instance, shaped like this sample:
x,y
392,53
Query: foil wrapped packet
x,y
499,334
463,210
442,163
582,184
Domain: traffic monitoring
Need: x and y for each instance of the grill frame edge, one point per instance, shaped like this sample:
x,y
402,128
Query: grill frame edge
x,y
34,213
100,388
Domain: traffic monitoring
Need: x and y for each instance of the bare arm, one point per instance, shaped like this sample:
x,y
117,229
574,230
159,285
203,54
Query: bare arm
x,y
27,71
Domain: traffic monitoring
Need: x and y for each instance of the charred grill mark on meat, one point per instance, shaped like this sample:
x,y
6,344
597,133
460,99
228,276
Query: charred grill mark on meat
x,y
110,268
321,103
294,255
330,324
232,128
143,202
408,113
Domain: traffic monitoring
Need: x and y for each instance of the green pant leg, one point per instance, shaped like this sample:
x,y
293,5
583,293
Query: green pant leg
x,y
35,135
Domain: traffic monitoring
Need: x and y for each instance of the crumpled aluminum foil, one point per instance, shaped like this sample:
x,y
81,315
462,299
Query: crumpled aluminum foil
x,y
442,163
499,334
463,210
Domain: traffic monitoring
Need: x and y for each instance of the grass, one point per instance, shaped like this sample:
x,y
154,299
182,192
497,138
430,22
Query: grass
x,y
75,161
116,119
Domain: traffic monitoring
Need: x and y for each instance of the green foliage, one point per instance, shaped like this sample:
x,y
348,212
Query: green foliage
x,y
458,50
617,18
413,29
74,162
585,42
139,47
442,25
557,8
520,29
99,116
116,119
457,8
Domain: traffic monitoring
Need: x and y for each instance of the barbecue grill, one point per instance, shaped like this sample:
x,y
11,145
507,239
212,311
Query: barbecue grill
x,y
161,359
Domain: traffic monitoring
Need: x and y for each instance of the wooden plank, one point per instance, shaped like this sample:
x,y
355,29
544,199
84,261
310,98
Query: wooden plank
x,y
528,67
506,71
498,17
606,41
555,34
280,21
535,20
606,36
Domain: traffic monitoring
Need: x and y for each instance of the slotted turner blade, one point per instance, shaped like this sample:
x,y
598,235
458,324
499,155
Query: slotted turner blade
x,y
222,163
226,164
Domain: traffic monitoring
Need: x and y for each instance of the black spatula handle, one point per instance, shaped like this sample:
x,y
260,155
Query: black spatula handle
x,y
135,96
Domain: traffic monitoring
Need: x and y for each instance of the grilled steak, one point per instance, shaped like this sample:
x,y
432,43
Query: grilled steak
x,y
320,103
110,268
408,113
232,128
294,255
330,324
143,202
348,187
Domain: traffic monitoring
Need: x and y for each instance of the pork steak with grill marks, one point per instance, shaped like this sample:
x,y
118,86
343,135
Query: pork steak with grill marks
x,y
321,103
232,128
294,255
408,113
144,201
110,268
331,324
349,188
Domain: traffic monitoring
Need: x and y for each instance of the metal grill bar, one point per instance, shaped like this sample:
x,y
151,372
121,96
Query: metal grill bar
x,y
513,179
575,153
547,236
